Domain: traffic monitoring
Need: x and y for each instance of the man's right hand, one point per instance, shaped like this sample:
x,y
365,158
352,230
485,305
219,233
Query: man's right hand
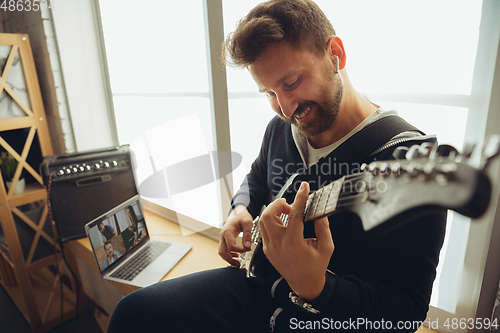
x,y
239,221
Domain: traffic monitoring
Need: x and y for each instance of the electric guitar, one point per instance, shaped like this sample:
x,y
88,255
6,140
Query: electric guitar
x,y
431,177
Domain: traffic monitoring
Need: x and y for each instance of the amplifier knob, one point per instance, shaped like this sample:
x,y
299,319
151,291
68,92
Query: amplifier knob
x,y
106,164
88,167
97,166
81,168
60,172
115,163
75,170
68,171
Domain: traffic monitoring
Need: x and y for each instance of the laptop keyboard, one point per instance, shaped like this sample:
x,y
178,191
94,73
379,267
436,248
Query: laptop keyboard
x,y
143,258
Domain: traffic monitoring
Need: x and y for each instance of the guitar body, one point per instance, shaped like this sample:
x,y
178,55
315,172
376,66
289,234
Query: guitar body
x,y
255,257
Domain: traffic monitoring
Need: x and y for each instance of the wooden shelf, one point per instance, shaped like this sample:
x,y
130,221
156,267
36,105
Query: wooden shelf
x,y
33,192
16,123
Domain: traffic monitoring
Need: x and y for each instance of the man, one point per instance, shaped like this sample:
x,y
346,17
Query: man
x,y
326,275
111,255
107,231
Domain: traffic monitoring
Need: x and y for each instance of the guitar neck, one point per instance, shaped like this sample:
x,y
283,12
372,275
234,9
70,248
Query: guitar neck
x,y
387,189
324,201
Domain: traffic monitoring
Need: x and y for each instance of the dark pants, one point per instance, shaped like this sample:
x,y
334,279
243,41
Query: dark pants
x,y
220,300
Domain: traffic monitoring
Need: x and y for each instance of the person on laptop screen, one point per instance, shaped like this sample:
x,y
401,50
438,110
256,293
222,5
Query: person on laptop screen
x,y
136,227
131,257
107,231
111,255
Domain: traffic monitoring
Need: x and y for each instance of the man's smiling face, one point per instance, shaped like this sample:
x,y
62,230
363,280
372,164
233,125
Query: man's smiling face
x,y
301,86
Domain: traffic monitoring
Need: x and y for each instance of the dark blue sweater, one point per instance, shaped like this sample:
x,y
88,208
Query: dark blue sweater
x,y
381,276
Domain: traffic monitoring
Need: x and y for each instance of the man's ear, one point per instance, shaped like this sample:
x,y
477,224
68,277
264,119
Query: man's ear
x,y
336,47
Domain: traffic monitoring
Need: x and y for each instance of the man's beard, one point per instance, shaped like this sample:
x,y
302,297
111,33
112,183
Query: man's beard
x,y
326,112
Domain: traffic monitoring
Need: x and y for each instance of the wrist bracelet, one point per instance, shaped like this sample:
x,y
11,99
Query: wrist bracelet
x,y
322,300
301,303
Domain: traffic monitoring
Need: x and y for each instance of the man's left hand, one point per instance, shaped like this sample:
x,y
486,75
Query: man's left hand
x,y
301,262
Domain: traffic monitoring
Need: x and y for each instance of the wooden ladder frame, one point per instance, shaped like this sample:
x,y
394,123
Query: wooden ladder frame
x,y
26,271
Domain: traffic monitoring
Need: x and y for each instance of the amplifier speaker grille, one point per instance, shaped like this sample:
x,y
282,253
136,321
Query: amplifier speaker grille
x,y
78,197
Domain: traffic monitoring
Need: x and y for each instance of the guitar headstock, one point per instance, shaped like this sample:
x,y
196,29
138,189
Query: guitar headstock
x,y
429,177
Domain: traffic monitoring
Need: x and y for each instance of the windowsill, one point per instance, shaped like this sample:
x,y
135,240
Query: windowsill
x,y
202,256
188,222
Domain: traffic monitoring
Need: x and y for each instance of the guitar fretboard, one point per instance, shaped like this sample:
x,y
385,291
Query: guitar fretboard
x,y
320,203
323,202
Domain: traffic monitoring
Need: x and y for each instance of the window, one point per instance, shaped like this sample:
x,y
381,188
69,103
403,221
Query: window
x,y
161,95
432,61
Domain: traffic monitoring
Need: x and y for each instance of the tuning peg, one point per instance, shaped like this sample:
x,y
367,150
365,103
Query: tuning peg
x,y
412,152
433,152
447,151
425,149
491,150
400,153
373,167
468,149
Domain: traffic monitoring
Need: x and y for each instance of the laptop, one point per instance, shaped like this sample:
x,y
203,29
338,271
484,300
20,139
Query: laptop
x,y
124,251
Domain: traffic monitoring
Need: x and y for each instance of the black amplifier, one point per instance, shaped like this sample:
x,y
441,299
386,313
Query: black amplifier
x,y
85,185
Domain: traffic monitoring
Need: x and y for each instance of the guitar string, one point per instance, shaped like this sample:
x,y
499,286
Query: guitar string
x,y
352,194
349,193
351,197
343,202
284,218
349,190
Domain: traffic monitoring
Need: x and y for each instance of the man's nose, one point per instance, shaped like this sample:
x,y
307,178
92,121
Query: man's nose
x,y
287,104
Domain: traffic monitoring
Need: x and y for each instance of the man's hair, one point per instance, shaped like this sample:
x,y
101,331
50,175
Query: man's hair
x,y
299,22
108,242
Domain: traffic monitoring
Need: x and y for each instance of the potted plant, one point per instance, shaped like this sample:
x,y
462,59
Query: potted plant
x,y
8,166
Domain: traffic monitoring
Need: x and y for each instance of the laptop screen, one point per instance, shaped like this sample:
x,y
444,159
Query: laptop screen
x,y
116,233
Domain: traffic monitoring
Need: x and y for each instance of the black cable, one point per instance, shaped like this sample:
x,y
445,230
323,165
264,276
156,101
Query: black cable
x,y
57,240
56,261
77,315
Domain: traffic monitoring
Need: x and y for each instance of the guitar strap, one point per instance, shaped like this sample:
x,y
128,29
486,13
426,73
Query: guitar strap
x,y
370,138
353,151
